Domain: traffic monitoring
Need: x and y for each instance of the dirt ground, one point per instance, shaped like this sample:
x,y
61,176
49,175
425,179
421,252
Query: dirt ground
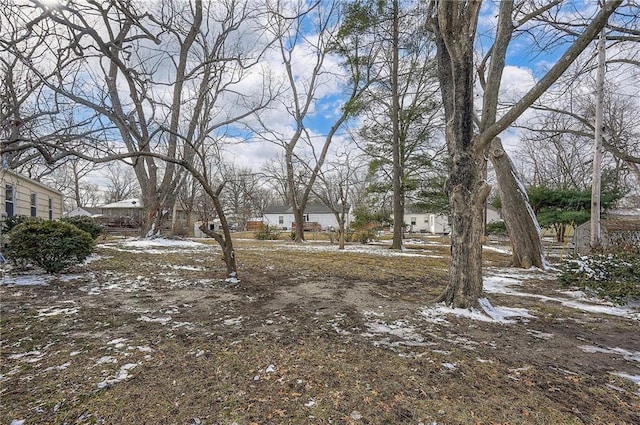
x,y
154,335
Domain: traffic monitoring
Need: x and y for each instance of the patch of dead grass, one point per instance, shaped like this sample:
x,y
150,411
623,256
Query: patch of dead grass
x,y
288,345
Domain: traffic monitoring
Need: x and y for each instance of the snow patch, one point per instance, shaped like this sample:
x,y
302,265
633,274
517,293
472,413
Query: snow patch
x,y
161,320
58,368
163,242
56,311
31,356
502,314
106,359
233,321
633,378
233,278
117,343
489,313
26,280
633,356
505,281
123,374
406,333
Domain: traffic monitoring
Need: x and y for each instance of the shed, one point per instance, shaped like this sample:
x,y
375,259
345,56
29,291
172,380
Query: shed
x,y
616,231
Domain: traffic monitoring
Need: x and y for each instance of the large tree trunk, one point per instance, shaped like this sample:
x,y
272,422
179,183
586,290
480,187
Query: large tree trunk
x,y
467,197
298,217
398,174
519,217
456,22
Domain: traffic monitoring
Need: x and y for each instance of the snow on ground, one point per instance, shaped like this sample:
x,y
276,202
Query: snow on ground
x,y
500,250
507,281
123,374
626,354
359,249
489,313
26,280
158,245
632,378
163,242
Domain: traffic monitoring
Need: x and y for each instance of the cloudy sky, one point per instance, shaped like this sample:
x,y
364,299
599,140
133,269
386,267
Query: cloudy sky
x,y
524,65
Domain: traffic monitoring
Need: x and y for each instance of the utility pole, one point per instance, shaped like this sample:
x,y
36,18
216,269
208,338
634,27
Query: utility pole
x,y
596,241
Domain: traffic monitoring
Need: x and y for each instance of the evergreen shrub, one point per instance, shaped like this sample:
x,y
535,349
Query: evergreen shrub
x,y
87,224
613,274
52,245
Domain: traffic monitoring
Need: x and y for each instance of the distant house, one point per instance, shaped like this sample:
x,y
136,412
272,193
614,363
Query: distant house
x,y
316,217
124,213
131,213
27,197
424,222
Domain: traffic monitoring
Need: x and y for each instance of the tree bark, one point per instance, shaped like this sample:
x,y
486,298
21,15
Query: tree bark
x,y
298,216
224,239
518,215
398,174
467,188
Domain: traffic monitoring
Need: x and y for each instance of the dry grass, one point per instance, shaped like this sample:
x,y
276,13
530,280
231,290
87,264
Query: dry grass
x,y
293,343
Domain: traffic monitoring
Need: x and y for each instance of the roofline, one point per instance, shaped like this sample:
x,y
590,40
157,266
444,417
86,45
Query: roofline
x,y
37,183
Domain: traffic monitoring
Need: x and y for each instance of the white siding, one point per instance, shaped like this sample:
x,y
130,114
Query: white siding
x,y
273,220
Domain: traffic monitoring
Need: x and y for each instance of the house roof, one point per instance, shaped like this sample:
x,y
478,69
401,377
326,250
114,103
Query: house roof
x,y
278,209
35,182
125,203
86,211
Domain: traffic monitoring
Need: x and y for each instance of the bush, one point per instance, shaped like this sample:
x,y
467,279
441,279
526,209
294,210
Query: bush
x,y
10,222
266,233
496,228
52,245
87,224
614,274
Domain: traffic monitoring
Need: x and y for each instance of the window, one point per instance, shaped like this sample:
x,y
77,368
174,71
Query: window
x,y
413,221
50,209
34,205
9,200
306,218
281,219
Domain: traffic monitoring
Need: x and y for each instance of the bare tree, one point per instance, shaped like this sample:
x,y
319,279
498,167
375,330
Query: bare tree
x,y
146,64
121,182
309,34
336,188
167,83
244,195
455,27
559,137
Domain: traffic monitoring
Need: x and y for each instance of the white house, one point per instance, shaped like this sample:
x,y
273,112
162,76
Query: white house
x,y
318,216
424,222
